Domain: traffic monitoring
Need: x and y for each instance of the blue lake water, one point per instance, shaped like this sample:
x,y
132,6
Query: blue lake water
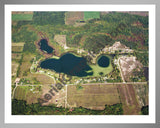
x,y
68,64
103,61
44,46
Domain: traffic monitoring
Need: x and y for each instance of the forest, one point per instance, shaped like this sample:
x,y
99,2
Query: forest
x,y
96,43
130,30
19,107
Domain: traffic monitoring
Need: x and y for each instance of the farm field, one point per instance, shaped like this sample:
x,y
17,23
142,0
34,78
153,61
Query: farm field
x,y
16,56
92,96
26,64
142,94
78,17
22,17
25,72
59,97
22,12
14,68
72,17
30,94
41,78
18,44
17,47
91,15
145,13
129,100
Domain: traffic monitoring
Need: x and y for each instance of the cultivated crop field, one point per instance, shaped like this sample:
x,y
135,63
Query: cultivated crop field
x,y
28,93
26,64
72,17
17,47
59,97
33,78
129,99
92,96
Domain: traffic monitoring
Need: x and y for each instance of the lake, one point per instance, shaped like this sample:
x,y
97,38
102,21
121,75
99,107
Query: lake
x,y
44,46
76,66
103,61
68,64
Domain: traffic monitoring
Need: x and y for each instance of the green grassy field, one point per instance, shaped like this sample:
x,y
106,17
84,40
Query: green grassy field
x,y
28,93
97,69
19,17
105,70
91,15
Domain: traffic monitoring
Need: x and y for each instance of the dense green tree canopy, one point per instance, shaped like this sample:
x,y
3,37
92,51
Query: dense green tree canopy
x,y
97,42
20,107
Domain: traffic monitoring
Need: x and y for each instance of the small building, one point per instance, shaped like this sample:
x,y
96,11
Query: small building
x,y
17,80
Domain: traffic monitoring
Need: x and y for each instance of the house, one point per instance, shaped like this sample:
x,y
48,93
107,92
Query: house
x,y
17,80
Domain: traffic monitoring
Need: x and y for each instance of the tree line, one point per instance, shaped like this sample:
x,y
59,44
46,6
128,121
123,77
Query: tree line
x,y
19,107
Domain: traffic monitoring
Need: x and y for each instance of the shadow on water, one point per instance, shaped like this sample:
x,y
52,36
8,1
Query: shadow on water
x,y
68,64
44,46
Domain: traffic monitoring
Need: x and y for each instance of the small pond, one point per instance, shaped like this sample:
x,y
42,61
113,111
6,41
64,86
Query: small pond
x,y
44,46
103,61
